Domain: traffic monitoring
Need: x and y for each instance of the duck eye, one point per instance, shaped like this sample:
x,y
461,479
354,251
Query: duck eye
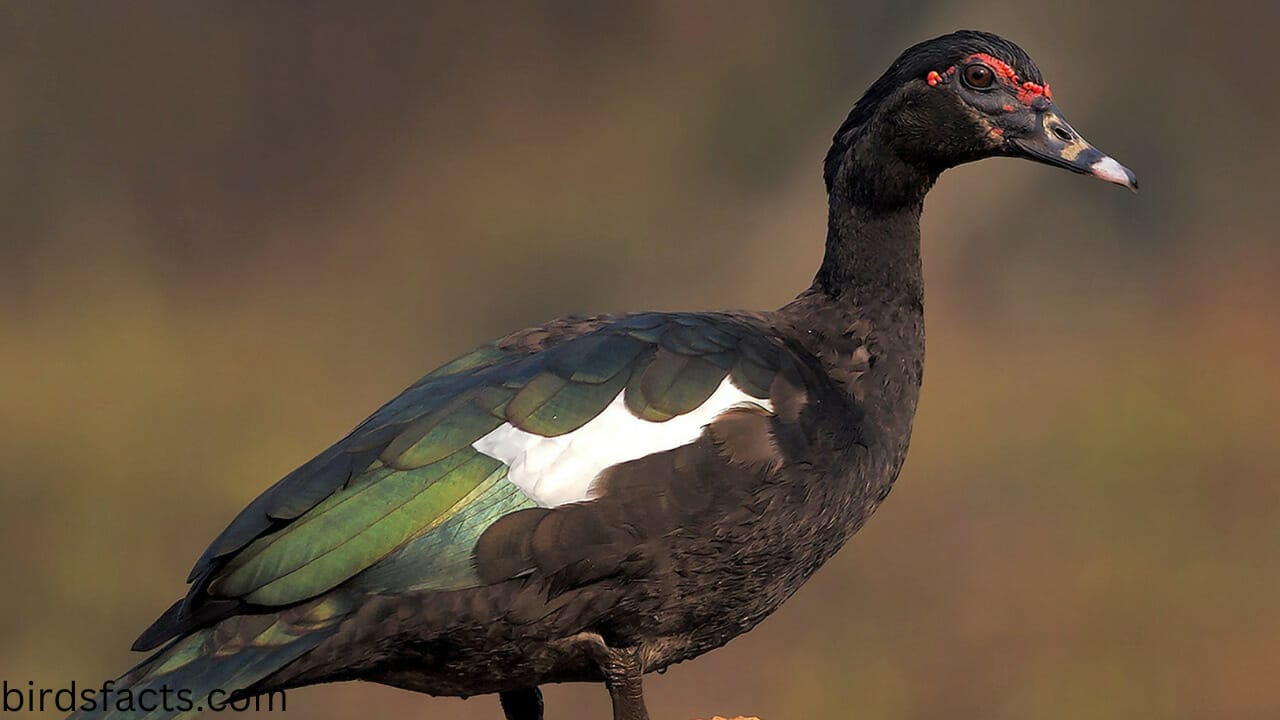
x,y
979,76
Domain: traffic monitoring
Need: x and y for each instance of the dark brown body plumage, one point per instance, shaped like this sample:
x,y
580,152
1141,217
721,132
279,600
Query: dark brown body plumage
x,y
747,514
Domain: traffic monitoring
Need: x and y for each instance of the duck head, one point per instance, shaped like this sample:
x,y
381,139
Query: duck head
x,y
954,99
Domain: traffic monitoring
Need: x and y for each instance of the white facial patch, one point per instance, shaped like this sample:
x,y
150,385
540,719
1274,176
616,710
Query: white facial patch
x,y
557,470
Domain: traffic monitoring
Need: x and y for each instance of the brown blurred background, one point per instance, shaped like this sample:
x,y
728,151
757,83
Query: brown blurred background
x,y
230,230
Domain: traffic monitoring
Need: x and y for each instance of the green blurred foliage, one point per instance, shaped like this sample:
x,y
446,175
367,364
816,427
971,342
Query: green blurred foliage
x,y
233,229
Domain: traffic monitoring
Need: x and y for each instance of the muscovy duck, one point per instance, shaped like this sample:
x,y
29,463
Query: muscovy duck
x,y
596,498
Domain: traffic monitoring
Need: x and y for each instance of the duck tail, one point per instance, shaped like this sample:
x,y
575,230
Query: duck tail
x,y
213,667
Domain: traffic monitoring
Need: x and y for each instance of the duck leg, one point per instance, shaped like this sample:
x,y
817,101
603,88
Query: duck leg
x,y
522,704
622,675
622,669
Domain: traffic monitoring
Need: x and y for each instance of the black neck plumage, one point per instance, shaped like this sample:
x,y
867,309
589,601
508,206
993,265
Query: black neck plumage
x,y
873,221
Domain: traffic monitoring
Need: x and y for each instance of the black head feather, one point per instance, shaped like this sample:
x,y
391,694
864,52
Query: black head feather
x,y
914,64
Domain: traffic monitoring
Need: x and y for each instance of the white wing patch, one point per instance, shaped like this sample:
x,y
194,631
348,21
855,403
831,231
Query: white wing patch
x,y
557,470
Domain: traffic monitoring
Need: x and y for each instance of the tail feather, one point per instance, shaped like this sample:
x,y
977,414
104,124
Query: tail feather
x,y
236,654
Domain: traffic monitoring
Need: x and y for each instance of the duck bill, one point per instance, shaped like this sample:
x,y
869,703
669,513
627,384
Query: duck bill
x,y
1056,143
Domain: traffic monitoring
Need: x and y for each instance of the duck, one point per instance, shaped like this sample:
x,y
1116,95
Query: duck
x,y
600,497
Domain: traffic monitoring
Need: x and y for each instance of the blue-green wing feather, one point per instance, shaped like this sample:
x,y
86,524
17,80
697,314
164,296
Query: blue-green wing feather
x,y
399,504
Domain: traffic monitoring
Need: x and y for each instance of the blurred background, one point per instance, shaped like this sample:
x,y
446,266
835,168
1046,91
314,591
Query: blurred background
x,y
231,230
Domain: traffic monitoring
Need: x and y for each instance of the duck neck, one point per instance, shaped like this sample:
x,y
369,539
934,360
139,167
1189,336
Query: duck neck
x,y
872,254
873,220
868,291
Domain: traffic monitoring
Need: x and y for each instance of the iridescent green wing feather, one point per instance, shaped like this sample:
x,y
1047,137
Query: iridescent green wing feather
x,y
398,504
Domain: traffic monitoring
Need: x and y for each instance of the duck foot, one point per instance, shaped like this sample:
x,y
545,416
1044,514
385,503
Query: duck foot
x,y
522,704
